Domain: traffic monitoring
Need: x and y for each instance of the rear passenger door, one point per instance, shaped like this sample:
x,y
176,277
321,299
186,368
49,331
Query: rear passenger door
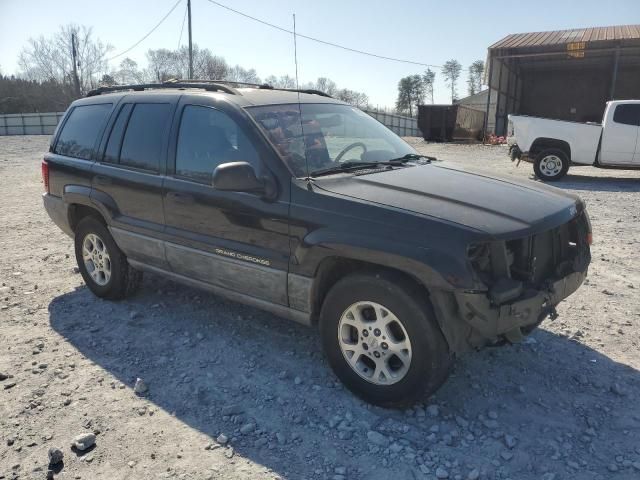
x,y
128,177
233,240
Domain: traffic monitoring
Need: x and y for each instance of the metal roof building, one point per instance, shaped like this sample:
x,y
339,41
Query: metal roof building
x,y
563,74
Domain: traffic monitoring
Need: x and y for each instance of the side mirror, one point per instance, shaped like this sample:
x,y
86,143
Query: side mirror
x,y
241,177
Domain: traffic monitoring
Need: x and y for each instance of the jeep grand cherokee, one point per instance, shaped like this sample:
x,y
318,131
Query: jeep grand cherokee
x,y
299,204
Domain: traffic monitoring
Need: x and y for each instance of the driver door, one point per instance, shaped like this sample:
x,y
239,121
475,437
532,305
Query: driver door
x,y
232,240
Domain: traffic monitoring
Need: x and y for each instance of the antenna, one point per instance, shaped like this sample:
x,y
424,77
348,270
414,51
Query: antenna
x,y
304,141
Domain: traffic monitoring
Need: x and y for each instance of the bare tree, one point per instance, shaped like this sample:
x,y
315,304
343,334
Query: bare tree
x,y
51,59
451,72
474,82
128,72
327,86
357,99
164,64
240,74
429,79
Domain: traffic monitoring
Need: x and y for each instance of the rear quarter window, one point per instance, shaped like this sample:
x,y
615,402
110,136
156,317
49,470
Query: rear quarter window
x,y
80,132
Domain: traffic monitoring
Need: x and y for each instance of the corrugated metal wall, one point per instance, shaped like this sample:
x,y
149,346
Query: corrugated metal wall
x,y
399,124
29,123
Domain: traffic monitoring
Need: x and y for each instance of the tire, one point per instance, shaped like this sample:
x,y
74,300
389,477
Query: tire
x,y
408,376
551,165
105,270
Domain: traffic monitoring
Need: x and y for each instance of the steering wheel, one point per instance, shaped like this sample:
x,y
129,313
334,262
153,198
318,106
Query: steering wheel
x,y
349,147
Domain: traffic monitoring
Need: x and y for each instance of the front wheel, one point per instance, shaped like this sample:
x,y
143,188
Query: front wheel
x,y
382,340
551,165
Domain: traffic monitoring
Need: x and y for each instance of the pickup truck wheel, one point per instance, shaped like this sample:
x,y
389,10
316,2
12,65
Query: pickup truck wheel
x,y
551,165
382,340
102,264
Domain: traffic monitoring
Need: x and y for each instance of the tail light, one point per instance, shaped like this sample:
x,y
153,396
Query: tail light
x,y
45,175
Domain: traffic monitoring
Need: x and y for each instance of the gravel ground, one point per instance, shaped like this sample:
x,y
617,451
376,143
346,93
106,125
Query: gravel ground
x,y
231,392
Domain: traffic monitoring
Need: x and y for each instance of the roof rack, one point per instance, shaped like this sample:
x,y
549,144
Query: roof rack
x,y
261,86
209,85
139,87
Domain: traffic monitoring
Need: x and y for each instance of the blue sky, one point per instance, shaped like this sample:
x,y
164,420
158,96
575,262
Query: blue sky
x,y
424,31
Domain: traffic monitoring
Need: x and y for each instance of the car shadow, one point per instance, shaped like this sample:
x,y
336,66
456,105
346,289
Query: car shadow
x,y
218,366
597,183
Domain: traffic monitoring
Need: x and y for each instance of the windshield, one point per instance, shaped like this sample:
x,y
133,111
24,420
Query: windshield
x,y
328,136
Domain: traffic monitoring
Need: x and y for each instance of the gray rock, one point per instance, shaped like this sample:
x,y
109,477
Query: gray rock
x,y
55,456
140,388
618,390
297,380
473,474
510,441
462,422
231,410
228,452
84,441
3,376
222,439
506,456
247,428
441,473
377,438
433,410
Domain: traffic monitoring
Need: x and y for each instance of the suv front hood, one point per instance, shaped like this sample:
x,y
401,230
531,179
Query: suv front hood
x,y
497,206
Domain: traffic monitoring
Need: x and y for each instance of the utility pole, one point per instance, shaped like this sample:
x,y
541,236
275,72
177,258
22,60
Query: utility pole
x,y
190,44
74,54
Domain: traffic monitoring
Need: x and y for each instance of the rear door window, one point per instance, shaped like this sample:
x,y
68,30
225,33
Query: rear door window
x,y
80,132
145,135
627,114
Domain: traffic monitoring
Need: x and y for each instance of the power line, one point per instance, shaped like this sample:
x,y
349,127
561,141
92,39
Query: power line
x,y
324,42
182,28
149,33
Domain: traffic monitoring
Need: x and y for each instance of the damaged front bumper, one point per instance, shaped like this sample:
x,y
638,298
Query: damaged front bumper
x,y
512,320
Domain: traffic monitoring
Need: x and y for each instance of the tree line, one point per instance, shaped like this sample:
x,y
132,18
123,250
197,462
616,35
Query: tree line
x,y
47,78
415,90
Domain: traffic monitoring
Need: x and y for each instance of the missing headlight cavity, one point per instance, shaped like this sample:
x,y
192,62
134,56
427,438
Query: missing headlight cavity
x,y
507,267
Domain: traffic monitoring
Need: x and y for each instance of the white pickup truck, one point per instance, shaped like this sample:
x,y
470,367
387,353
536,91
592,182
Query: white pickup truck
x,y
554,145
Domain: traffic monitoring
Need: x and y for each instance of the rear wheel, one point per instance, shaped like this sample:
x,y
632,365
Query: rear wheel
x,y
102,264
382,340
551,164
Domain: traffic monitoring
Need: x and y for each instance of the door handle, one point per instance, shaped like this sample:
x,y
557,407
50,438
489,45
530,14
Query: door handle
x,y
102,180
183,198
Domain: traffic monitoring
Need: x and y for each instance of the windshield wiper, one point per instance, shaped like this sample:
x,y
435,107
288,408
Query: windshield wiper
x,y
350,166
343,167
406,158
